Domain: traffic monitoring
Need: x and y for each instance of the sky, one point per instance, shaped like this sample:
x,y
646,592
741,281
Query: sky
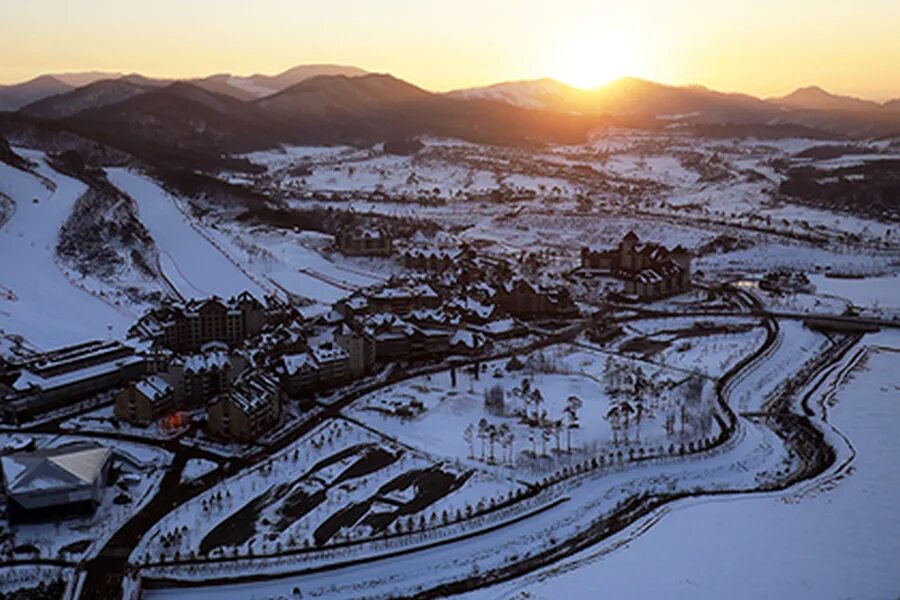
x,y
762,47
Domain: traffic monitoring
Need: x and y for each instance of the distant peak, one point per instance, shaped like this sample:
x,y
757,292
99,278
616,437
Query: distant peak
x,y
811,89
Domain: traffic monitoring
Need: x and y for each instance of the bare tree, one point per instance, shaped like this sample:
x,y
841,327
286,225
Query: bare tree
x,y
545,436
492,434
504,433
537,398
573,405
469,435
482,434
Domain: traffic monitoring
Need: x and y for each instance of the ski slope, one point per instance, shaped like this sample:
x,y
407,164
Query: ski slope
x,y
195,267
38,300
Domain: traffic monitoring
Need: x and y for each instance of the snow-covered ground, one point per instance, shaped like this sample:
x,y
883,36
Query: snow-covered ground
x,y
559,373
286,503
295,262
39,299
837,540
581,502
190,262
195,468
869,292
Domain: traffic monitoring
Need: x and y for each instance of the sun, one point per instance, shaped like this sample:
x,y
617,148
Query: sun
x,y
591,61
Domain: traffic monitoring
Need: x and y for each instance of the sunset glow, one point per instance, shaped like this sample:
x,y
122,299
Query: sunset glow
x,y
590,61
763,48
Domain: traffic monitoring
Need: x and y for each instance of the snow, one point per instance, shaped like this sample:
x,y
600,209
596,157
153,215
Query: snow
x,y
38,298
195,468
870,291
837,540
141,468
195,267
449,410
294,467
296,262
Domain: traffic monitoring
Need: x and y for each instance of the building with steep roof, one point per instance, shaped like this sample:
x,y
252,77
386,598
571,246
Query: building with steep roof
x,y
648,270
53,479
365,241
186,326
145,401
248,410
524,300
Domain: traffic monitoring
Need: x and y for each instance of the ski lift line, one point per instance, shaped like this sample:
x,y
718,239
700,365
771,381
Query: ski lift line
x,y
182,275
329,280
217,246
173,289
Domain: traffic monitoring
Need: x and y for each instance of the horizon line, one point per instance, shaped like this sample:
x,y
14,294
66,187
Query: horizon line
x,y
119,74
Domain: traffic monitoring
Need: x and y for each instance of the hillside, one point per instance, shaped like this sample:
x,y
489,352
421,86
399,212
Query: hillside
x,y
179,124
94,95
14,97
815,98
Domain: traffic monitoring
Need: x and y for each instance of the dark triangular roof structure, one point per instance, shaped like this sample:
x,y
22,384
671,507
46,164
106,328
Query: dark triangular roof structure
x,y
53,470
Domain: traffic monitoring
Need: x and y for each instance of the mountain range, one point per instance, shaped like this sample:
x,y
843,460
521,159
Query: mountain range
x,y
194,123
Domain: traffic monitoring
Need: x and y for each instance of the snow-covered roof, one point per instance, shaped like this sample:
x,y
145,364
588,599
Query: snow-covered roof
x,y
51,470
29,379
255,392
293,363
497,327
329,353
468,339
206,361
153,387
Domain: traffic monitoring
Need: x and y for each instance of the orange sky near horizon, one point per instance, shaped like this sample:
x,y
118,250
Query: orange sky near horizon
x,y
762,47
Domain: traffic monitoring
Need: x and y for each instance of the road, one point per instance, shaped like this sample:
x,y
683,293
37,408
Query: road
x,y
104,572
572,525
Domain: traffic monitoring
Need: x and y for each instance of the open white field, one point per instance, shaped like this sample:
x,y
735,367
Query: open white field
x,y
837,541
870,292
446,410
339,483
39,299
193,265
295,262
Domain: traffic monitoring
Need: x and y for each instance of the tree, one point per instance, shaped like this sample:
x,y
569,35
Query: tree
x,y
492,432
537,398
504,434
545,436
638,414
469,435
482,434
573,405
556,428
525,386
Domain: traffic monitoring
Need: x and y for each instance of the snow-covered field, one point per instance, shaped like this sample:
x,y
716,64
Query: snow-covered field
x,y
298,500
558,373
39,299
295,262
870,292
711,347
581,502
193,265
835,540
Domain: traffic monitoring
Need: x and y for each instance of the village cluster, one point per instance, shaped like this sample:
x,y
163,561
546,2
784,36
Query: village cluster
x,y
231,366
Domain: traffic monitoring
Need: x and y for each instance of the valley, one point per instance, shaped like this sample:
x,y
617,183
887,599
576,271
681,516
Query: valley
x,y
492,350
